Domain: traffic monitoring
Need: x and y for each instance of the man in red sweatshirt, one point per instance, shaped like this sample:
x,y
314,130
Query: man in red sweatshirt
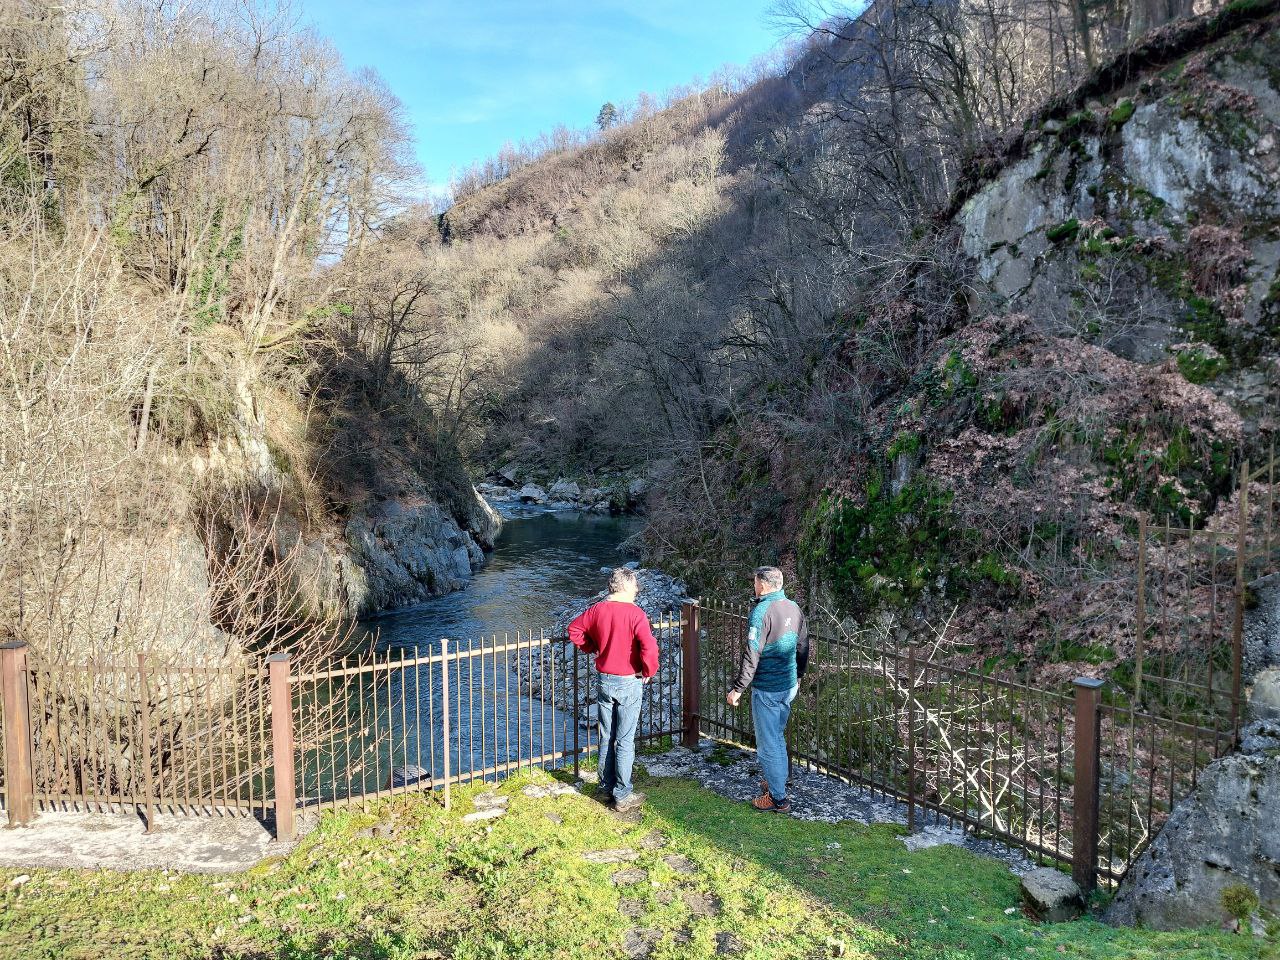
x,y
617,632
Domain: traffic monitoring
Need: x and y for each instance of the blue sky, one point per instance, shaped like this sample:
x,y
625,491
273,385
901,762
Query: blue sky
x,y
473,75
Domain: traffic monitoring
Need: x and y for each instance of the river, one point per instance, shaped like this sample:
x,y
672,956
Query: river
x,y
388,723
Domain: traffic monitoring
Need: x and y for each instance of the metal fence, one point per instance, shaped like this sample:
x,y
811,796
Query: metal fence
x,y
261,739
1066,777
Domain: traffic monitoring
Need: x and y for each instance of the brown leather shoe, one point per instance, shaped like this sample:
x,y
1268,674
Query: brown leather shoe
x,y
766,804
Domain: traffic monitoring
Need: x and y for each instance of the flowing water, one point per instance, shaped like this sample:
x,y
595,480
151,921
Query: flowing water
x,y
539,563
394,719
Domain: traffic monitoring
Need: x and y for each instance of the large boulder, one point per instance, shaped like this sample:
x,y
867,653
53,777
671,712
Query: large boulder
x,y
565,490
1226,834
1052,896
532,493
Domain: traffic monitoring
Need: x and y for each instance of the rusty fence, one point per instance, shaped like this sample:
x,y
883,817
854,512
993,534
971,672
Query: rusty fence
x,y
1067,777
266,739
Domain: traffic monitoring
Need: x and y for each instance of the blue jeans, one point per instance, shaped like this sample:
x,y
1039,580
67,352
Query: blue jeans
x,y
770,712
618,708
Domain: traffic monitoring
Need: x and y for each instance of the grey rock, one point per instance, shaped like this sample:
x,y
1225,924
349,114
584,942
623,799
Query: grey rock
x,y
565,490
632,907
490,801
1264,698
613,855
1052,896
532,493
511,473
639,942
728,943
701,904
1260,737
655,840
404,776
1226,833
629,877
680,863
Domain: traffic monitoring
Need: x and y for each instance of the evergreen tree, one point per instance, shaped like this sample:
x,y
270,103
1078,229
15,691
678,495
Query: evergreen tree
x,y
607,116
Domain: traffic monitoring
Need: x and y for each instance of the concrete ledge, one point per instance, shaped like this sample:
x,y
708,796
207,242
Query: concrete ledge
x,y
117,841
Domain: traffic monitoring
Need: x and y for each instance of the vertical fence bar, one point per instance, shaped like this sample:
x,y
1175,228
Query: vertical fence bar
x,y
690,676
144,754
1140,626
19,798
910,688
1084,846
444,711
281,693
1237,627
573,716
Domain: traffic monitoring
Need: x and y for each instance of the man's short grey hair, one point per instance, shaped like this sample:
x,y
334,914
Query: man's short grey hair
x,y
622,578
771,577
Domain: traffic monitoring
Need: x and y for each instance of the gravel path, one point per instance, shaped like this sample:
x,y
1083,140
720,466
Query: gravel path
x,y
734,773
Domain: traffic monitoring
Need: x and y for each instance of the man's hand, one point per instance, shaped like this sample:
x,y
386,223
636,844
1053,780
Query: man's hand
x,y
733,698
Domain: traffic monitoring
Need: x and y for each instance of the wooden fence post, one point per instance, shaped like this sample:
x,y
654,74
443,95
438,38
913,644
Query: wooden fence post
x,y
17,733
282,743
911,738
145,756
444,717
1084,846
690,676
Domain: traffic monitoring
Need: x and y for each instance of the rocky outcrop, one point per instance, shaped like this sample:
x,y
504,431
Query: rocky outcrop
x,y
1224,837
1146,218
1051,896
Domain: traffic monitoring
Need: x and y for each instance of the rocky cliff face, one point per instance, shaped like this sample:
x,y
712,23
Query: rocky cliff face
x,y
1148,220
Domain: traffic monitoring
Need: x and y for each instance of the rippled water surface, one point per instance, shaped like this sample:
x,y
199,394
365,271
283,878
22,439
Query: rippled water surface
x,y
539,563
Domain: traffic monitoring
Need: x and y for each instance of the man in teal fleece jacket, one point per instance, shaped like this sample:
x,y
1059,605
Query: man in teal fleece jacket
x,y
775,657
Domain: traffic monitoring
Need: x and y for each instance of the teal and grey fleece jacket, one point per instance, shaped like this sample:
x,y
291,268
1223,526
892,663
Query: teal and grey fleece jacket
x,y
777,650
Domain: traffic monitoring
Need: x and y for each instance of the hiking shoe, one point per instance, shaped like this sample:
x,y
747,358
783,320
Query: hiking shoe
x,y
629,802
766,804
601,795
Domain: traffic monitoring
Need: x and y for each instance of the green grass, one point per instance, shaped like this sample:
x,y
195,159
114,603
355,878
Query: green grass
x,y
438,888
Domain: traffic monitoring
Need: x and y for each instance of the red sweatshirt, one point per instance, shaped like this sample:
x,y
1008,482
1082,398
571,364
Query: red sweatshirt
x,y
619,635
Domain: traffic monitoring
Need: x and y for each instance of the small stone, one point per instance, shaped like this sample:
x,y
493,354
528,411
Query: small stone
x,y
614,855
631,907
536,792
1051,896
638,942
554,818
665,897
680,863
627,878
655,840
727,943
20,879
702,904
489,800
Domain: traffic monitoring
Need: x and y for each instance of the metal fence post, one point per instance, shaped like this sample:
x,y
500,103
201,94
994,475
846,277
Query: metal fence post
x,y
574,715
1140,627
911,738
144,755
17,733
1237,628
690,676
282,743
1084,845
444,714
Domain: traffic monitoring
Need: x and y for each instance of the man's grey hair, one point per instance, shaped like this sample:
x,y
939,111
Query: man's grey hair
x,y
771,577
622,578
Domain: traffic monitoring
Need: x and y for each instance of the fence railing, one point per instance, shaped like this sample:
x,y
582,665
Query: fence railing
x,y
266,739
1067,778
